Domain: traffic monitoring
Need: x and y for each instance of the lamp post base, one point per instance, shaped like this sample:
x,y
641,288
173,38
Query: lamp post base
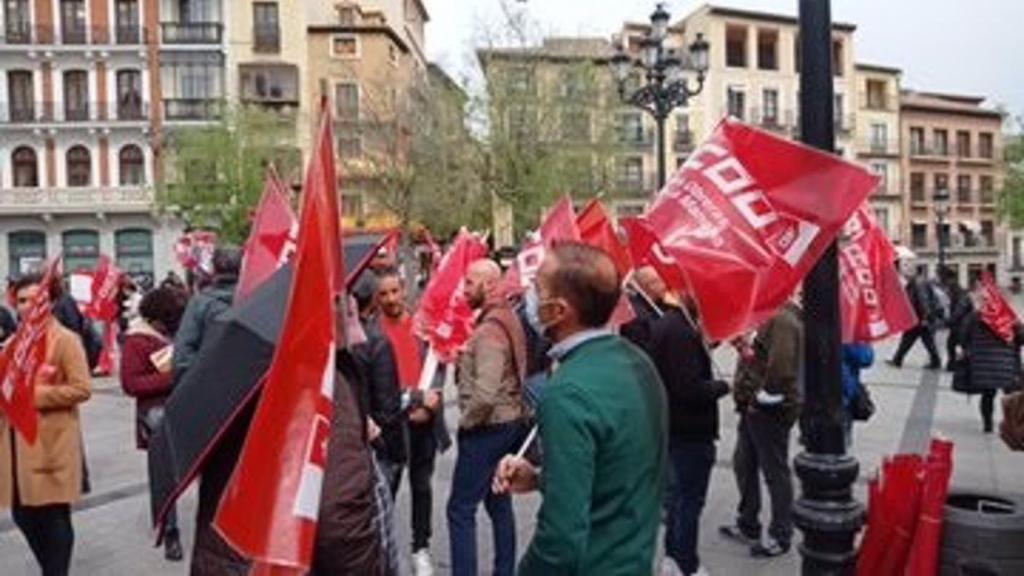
x,y
827,514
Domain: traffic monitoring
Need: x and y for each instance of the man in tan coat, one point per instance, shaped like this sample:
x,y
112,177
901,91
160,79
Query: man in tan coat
x,y
39,482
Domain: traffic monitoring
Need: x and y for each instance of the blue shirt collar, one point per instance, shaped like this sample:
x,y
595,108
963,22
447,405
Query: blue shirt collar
x,y
563,348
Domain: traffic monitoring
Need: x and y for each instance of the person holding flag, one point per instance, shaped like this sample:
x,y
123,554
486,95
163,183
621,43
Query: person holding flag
x,y
40,480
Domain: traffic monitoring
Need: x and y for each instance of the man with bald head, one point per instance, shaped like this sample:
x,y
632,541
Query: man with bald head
x,y
639,330
491,372
603,429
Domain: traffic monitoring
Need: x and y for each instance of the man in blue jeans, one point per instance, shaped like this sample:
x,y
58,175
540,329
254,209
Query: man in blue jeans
x,y
491,372
678,352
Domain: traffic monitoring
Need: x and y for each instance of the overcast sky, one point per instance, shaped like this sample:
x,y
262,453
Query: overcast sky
x,y
964,46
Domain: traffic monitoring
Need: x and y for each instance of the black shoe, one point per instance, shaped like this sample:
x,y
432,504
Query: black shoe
x,y
988,427
894,363
934,366
172,548
769,549
736,534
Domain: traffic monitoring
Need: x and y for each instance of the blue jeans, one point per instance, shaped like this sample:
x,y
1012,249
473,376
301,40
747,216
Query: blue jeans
x,y
480,450
691,462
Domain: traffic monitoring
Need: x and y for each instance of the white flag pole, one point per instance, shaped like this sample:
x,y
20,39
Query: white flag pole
x,y
430,366
526,443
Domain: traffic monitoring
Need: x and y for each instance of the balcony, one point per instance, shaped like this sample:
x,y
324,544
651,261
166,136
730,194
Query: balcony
x,y
637,185
74,36
636,138
192,109
71,38
22,115
192,32
17,33
875,147
37,201
107,113
269,84
925,153
129,34
76,112
774,120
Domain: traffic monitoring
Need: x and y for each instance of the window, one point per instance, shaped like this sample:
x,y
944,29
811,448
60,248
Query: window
x,y
837,111
576,125
882,217
72,21
345,46
18,24
26,169
350,146
632,173
942,234
347,15
737,102
346,101
879,138
941,142
127,15
985,184
76,95
770,100
916,141
266,33
631,128
519,80
918,235
20,91
27,251
881,169
81,249
985,145
963,188
838,62
767,50
573,84
941,184
736,47
133,248
131,164
683,137
917,187
129,95
988,232
79,166
269,83
963,144
876,94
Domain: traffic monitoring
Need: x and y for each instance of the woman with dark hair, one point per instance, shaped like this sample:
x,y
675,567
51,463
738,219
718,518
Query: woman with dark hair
x,y
146,376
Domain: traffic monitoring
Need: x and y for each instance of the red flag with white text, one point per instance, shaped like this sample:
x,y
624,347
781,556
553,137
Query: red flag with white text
x,y
747,216
106,279
271,241
559,224
874,304
23,357
270,507
444,318
994,310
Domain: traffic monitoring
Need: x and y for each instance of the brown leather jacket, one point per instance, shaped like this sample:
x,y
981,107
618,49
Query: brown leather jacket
x,y
492,369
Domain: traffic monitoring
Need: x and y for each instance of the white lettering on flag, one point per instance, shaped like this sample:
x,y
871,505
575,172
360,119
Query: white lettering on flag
x,y
307,499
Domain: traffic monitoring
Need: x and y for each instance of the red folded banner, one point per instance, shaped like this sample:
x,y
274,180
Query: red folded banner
x,y
270,507
106,279
23,357
747,216
444,318
994,310
874,303
596,229
271,242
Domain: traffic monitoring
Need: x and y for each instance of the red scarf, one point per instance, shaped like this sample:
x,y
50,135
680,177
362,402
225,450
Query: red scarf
x,y
406,348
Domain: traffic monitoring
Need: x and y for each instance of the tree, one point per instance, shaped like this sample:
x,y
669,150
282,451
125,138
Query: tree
x,y
1012,197
215,173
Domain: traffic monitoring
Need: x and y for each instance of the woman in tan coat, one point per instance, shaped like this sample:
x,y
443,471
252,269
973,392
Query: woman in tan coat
x,y
39,482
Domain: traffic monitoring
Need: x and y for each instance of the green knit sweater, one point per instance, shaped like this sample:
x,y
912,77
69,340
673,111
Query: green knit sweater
x,y
604,430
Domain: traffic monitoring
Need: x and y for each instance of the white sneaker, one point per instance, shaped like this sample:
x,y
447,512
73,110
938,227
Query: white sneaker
x,y
669,568
422,565
701,571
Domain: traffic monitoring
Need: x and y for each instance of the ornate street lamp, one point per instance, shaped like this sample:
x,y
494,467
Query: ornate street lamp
x,y
665,71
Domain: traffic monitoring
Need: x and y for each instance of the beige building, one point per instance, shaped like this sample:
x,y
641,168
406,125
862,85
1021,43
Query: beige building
x,y
952,149
877,142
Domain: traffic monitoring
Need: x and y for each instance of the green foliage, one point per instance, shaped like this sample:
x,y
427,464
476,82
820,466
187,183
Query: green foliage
x,y
215,173
1012,196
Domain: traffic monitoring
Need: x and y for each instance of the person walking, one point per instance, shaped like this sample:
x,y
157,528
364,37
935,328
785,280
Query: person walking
x,y
678,351
959,308
767,398
989,364
927,308
603,428
146,377
40,481
490,378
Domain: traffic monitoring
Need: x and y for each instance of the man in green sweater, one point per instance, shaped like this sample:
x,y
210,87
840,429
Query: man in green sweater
x,y
603,426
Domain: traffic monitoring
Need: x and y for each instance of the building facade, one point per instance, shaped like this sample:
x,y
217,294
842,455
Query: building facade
x,y
952,151
877,142
80,118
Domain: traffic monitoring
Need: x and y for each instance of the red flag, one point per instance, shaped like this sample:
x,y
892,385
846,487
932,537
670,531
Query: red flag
x,y
444,318
874,303
559,224
272,239
194,251
747,216
23,357
595,228
994,310
270,507
105,281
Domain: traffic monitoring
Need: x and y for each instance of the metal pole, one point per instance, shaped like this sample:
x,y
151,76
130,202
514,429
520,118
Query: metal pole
x,y
826,512
660,117
942,244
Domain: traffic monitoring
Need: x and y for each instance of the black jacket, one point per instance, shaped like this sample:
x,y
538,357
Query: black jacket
x,y
685,370
8,325
199,314
992,363
639,330
380,394
66,311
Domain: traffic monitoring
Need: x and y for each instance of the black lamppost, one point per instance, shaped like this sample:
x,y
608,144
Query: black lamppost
x,y
941,201
664,68
826,512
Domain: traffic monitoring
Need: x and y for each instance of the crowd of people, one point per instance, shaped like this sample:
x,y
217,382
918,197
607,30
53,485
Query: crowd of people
x,y
617,429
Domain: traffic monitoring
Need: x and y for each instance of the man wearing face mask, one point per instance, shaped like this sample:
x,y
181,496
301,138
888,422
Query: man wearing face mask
x,y
603,428
491,372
